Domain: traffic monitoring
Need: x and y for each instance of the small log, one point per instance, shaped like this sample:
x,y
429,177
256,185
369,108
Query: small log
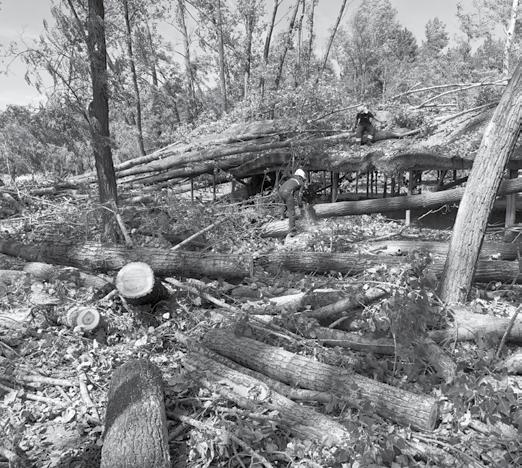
x,y
50,273
135,421
101,257
81,318
469,326
332,337
254,394
401,406
137,284
338,309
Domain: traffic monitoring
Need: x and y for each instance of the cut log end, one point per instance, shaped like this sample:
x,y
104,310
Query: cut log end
x,y
135,280
85,318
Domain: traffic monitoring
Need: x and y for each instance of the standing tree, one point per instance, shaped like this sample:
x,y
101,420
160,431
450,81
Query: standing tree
x,y
134,75
266,48
496,147
510,33
189,72
332,37
99,111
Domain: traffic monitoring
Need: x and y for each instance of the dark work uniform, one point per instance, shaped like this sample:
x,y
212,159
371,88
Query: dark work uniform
x,y
286,192
363,121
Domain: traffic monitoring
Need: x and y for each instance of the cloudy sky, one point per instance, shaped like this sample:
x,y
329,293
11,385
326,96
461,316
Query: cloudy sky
x,y
22,20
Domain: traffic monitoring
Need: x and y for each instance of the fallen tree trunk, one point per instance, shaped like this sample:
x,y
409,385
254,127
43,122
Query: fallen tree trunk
x,y
135,422
403,407
234,385
344,339
501,250
354,264
469,326
100,257
379,205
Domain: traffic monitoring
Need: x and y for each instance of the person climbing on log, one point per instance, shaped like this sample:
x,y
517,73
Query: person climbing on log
x,y
288,191
363,125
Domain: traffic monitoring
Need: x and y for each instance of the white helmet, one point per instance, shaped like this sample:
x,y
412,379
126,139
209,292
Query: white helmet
x,y
300,173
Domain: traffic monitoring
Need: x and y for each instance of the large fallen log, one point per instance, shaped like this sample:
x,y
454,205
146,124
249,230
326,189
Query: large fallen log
x,y
254,395
379,205
403,407
354,264
500,250
135,422
469,326
99,257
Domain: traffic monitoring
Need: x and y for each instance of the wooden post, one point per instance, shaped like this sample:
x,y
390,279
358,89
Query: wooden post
x,y
411,183
214,186
357,183
335,186
392,187
192,189
368,184
385,186
511,207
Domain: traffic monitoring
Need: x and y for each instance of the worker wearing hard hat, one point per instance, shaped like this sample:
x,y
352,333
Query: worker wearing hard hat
x,y
291,188
364,126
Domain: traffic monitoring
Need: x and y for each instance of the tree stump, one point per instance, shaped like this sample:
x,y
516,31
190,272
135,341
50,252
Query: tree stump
x,y
135,421
137,284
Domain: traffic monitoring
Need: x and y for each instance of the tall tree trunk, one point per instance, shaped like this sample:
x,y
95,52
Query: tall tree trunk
x,y
297,71
221,56
310,37
332,37
189,75
495,149
130,52
154,58
286,46
99,111
266,48
249,31
509,37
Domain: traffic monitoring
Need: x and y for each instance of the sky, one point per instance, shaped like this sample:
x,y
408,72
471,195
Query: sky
x,y
23,20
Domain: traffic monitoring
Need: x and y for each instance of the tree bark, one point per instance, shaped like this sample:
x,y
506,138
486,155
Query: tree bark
x,y
403,407
497,144
135,423
100,257
309,51
130,52
99,112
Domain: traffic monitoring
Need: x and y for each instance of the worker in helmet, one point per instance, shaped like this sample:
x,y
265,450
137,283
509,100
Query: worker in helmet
x,y
291,188
364,126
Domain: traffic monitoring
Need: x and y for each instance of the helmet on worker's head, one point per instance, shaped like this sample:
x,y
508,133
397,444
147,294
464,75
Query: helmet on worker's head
x,y
361,108
300,173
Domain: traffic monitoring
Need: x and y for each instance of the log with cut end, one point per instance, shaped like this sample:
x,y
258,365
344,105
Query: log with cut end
x,y
137,284
135,421
101,257
403,407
